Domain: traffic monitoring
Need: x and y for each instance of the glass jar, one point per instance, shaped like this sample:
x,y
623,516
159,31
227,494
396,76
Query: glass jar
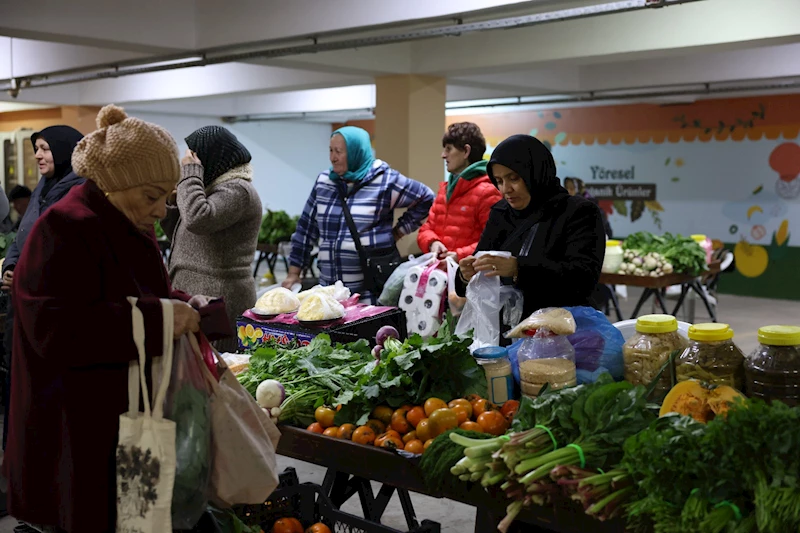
x,y
614,257
499,376
546,358
772,372
646,352
711,357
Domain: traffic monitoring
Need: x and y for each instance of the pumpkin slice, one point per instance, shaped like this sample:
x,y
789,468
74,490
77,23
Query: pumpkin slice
x,y
701,401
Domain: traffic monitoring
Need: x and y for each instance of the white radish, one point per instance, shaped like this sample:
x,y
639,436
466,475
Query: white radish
x,y
270,393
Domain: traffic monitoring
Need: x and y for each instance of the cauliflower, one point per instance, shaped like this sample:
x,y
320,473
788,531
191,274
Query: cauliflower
x,y
319,306
276,302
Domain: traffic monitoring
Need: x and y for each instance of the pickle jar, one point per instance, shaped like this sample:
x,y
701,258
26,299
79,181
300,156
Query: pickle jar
x,y
499,375
772,372
649,349
711,357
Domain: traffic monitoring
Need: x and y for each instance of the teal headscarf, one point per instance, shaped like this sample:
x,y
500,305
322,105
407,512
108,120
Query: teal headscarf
x,y
359,154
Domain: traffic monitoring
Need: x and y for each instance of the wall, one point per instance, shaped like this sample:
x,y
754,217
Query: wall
x,y
287,156
79,117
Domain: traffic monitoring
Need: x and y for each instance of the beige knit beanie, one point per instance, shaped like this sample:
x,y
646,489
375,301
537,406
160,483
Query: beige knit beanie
x,y
125,152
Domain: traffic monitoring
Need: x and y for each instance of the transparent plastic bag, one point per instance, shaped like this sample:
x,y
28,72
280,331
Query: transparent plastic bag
x,y
455,301
189,406
555,319
320,306
390,296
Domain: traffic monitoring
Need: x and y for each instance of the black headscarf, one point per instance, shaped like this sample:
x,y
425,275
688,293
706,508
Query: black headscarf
x,y
62,141
218,150
534,163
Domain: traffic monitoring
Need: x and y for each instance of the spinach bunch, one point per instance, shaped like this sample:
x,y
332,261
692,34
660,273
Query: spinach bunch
x,y
276,227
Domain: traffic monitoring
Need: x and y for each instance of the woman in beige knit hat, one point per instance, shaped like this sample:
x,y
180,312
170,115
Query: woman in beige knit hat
x,y
73,333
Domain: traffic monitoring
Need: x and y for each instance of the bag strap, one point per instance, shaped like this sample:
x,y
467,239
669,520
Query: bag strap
x,y
351,225
209,377
526,246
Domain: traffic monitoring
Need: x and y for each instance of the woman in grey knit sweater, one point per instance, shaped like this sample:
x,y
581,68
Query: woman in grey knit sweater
x,y
214,223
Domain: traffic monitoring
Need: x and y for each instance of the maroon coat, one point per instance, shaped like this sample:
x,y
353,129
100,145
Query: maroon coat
x,y
72,344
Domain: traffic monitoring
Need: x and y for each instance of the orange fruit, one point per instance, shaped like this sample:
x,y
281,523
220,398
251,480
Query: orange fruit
x,y
462,413
287,525
331,432
444,419
415,446
481,406
411,435
377,426
493,422
461,402
415,415
346,431
432,404
510,408
315,428
364,435
428,444
391,442
382,413
325,416
471,426
399,422
319,527
425,430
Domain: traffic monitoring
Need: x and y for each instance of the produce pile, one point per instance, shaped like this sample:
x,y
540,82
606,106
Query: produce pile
x,y
604,447
652,255
277,227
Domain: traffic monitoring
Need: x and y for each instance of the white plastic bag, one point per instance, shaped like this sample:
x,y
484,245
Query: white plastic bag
x,y
486,298
320,306
456,302
390,296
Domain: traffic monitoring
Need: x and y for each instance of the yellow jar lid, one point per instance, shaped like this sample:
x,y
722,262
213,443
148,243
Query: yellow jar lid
x,y
779,335
699,238
656,324
710,332
612,243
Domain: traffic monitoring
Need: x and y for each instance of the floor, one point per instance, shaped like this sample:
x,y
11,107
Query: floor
x,y
745,315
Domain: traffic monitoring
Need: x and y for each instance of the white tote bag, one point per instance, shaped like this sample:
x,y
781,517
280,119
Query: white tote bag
x,y
146,450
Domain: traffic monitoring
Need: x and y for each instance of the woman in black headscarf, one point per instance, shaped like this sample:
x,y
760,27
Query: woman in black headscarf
x,y
557,241
213,223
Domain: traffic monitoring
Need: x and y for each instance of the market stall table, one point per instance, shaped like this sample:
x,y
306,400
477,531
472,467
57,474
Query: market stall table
x,y
351,467
655,287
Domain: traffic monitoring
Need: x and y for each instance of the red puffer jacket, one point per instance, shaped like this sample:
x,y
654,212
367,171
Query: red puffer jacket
x,y
458,224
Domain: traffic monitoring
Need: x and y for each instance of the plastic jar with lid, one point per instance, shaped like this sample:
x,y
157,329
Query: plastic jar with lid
x,y
546,358
706,244
646,352
614,257
499,376
711,357
772,372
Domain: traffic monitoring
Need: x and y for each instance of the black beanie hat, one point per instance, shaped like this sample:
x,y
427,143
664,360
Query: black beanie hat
x,y
19,192
218,150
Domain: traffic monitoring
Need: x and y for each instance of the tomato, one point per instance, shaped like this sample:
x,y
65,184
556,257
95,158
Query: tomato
x,y
471,426
510,408
287,525
493,422
461,402
481,406
428,444
331,432
364,435
325,416
377,426
319,527
472,398
415,446
444,419
463,414
432,404
408,437
315,428
415,415
399,422
390,441
425,430
346,431
382,413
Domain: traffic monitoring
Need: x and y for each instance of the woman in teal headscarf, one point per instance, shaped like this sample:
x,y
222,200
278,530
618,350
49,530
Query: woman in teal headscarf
x,y
372,190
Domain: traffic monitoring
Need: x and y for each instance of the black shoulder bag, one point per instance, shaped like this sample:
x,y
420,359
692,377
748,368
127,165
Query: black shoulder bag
x,y
377,264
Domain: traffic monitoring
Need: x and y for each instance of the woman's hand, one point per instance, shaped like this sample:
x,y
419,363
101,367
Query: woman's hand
x,y
186,319
467,268
8,280
497,266
199,301
190,159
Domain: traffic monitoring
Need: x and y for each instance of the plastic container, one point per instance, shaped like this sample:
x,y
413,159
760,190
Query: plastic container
x,y
499,376
772,372
711,357
646,352
707,246
614,257
546,358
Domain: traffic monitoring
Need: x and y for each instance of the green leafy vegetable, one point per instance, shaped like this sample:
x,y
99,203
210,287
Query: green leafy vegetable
x,y
277,227
684,254
442,456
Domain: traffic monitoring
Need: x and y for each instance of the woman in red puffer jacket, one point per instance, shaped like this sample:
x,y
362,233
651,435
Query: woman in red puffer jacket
x,y
462,206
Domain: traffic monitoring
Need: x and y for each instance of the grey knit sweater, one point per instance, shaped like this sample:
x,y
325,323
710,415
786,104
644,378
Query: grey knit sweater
x,y
214,233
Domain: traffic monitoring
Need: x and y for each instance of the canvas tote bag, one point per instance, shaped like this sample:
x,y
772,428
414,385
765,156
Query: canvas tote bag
x,y
146,450
243,441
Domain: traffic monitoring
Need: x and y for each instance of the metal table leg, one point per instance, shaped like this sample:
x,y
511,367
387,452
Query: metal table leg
x,y
645,296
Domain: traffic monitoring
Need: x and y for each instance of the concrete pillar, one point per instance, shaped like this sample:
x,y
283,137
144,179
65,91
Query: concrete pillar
x,y
409,124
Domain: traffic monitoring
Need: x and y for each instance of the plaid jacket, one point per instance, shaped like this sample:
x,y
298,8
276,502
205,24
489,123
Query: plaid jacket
x,y
372,204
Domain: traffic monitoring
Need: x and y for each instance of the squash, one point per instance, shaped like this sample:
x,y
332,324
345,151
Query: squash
x,y
701,401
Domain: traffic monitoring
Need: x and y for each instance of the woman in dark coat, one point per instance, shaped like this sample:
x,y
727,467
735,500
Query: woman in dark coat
x,y
73,337
557,241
